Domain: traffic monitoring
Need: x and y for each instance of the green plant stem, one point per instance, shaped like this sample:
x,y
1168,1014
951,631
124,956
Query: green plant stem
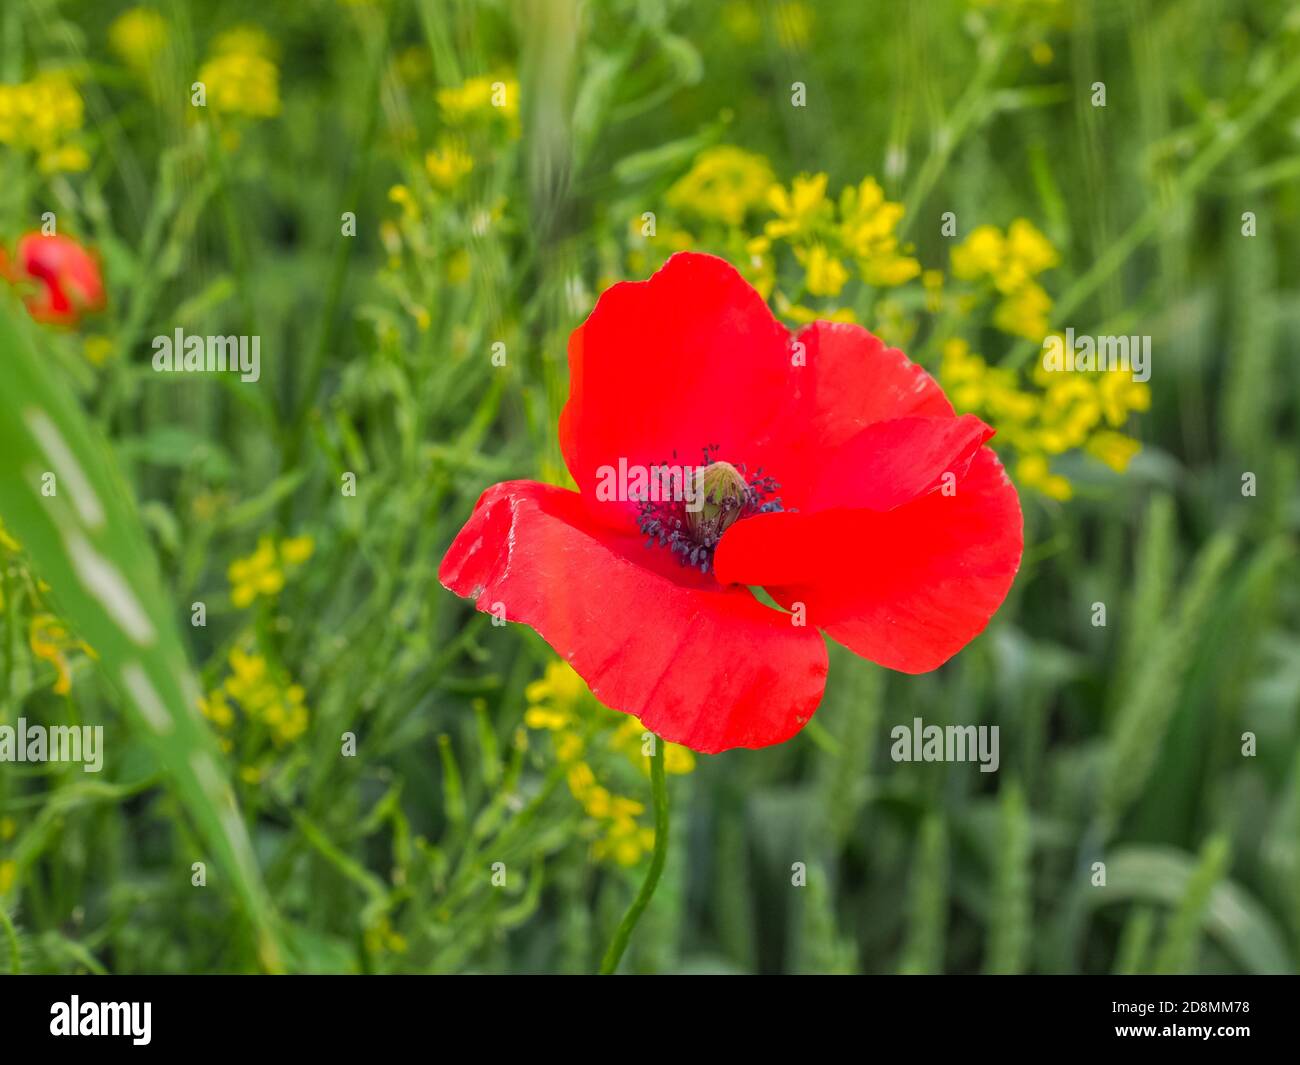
x,y
659,791
968,114
11,939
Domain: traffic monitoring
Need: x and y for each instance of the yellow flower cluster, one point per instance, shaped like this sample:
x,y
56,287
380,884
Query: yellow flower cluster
x,y
448,164
723,185
51,641
138,35
561,704
1070,411
241,75
263,572
44,116
727,185
834,239
49,638
482,100
1009,263
861,228
244,40
262,697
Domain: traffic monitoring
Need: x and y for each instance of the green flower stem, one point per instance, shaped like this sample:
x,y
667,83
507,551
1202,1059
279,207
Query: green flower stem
x,y
659,791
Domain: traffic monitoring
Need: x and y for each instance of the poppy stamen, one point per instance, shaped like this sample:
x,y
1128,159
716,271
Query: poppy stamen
x,y
697,506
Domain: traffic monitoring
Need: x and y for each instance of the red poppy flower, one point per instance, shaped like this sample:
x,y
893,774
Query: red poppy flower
x,y
828,469
67,279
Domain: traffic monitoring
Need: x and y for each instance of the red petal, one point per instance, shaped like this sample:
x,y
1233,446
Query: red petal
x,y
907,588
70,275
693,357
857,380
703,666
850,380
893,462
690,358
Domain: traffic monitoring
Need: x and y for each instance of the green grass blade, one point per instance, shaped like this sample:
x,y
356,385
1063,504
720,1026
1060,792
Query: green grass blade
x,y
86,541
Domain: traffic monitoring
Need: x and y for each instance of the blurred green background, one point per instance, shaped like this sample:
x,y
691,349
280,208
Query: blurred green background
x,y
502,163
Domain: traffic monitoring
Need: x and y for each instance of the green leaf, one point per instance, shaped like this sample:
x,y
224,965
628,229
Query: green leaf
x,y
1233,917
85,539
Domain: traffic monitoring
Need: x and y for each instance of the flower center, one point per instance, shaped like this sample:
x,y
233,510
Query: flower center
x,y
693,506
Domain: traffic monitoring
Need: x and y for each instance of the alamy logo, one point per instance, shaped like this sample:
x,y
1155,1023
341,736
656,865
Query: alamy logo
x,y
102,1018
196,354
58,743
656,484
1078,354
953,743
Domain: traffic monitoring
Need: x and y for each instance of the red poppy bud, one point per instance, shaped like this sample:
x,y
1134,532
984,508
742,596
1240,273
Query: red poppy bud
x,y
60,278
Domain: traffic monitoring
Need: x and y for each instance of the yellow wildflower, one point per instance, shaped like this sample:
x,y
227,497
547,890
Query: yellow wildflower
x,y
262,696
1033,471
802,210
1010,263
216,709
481,98
557,703
138,35
546,717
1024,312
797,312
758,265
401,195
240,77
1120,394
560,685
1066,414
44,116
296,550
824,274
569,746
244,40
1114,449
628,739
50,641
723,185
625,842
980,254
448,164
867,227
258,574
286,716
249,681
263,572
1028,249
